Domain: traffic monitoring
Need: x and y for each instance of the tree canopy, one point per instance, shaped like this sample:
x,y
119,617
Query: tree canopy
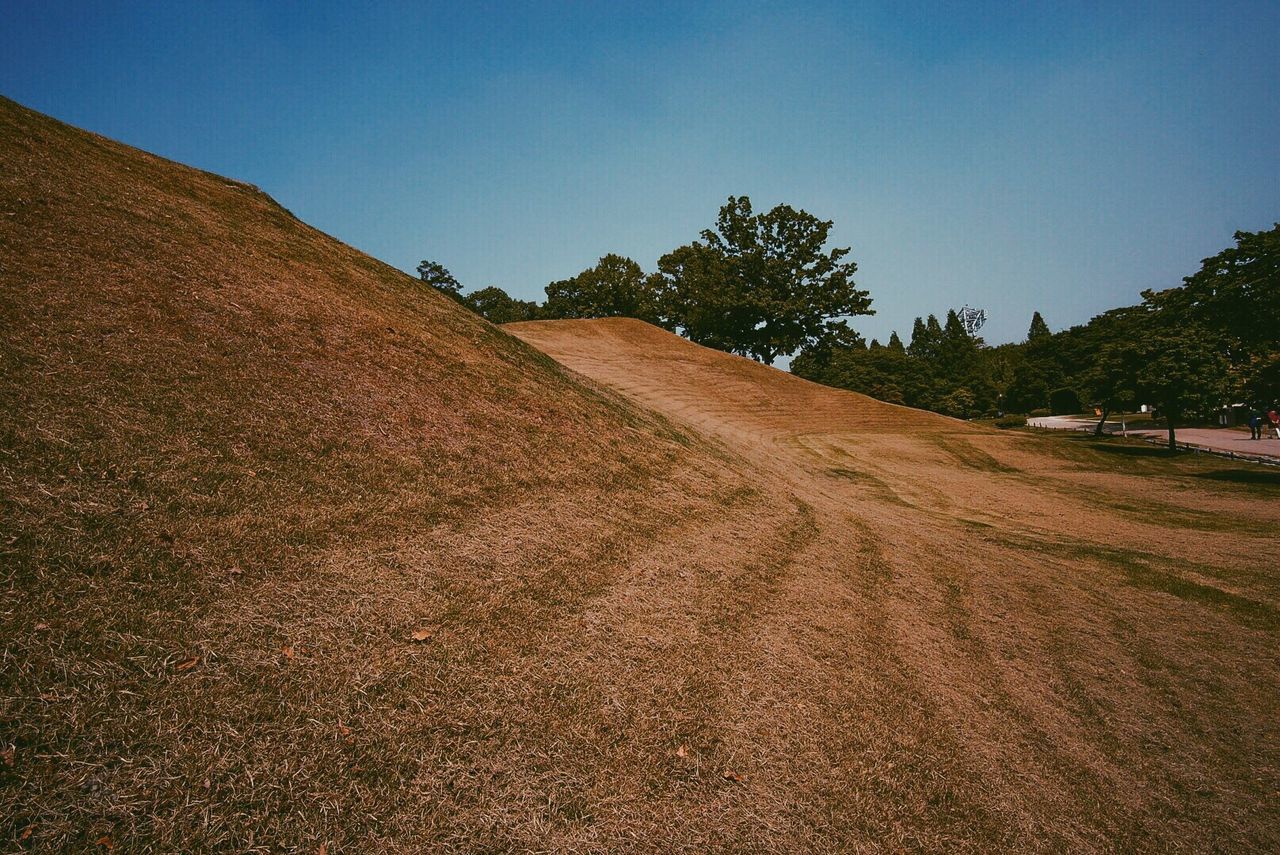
x,y
438,276
1039,329
614,287
497,306
760,285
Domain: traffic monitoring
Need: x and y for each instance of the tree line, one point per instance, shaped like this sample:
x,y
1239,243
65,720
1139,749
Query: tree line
x,y
764,285
759,285
1188,350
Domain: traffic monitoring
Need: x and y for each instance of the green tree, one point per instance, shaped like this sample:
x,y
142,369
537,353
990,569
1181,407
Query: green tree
x,y
960,365
760,285
837,338
497,306
438,276
1039,371
1107,378
614,287
1001,362
1177,365
884,372
1039,329
1236,295
959,403
926,339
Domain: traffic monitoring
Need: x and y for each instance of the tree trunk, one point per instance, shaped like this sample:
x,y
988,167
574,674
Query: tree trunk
x,y
1173,443
1106,411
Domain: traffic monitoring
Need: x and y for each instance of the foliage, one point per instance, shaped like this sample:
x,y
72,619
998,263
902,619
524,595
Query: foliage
x,y
959,403
497,306
1039,329
438,276
1236,296
1177,364
760,285
942,369
1064,401
615,287
1010,421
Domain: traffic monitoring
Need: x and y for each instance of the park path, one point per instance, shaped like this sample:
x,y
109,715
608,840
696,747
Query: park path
x,y
1232,441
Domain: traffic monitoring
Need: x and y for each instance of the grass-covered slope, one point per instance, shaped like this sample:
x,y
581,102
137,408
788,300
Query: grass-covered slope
x,y
296,555
712,389
240,464
999,641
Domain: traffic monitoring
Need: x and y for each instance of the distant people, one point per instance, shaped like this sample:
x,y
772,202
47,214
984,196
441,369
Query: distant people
x,y
1255,425
1274,418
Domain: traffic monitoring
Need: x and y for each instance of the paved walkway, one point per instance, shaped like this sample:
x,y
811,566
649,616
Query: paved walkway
x,y
1221,440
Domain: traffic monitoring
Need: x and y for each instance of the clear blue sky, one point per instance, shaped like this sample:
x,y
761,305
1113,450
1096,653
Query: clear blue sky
x,y
1014,156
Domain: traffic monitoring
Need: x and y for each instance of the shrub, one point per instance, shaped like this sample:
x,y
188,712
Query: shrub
x,y
1043,411
1011,421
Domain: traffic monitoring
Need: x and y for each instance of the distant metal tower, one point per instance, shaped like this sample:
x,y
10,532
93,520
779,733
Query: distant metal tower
x,y
972,319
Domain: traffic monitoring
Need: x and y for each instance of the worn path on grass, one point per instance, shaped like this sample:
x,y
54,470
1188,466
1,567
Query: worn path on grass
x,y
1097,667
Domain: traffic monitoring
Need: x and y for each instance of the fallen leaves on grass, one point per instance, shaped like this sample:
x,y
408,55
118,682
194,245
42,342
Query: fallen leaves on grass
x,y
422,634
287,650
734,777
682,751
187,664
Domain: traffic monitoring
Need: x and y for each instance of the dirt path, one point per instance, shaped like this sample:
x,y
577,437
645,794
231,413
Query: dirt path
x,y
990,652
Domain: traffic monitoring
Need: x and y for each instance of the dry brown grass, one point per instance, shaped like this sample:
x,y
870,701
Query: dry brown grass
x,y
674,601
991,640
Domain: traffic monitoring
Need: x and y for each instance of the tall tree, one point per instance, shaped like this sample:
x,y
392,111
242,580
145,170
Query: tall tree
x,y
1110,368
1039,329
1179,367
1236,294
926,338
760,285
1039,372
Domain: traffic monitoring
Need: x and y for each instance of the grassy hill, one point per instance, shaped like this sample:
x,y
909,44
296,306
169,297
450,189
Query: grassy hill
x,y
240,463
298,555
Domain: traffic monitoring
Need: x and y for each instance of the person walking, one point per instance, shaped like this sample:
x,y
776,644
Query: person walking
x,y
1274,418
1255,424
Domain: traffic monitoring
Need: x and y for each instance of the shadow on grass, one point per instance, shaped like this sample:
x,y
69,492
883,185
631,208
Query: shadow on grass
x,y
1154,572
1128,449
1243,476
